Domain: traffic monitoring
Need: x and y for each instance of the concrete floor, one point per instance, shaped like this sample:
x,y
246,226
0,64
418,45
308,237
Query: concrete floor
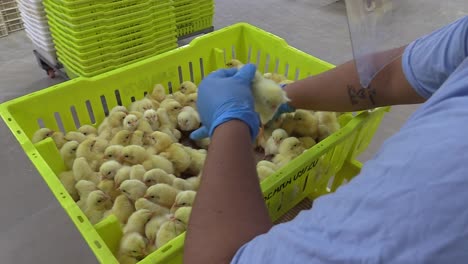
x,y
35,229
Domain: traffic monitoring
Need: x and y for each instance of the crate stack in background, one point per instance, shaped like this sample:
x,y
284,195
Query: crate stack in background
x,y
37,29
10,18
193,16
94,37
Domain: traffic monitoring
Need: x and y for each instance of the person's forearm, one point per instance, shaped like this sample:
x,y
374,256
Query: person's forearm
x,y
229,209
339,89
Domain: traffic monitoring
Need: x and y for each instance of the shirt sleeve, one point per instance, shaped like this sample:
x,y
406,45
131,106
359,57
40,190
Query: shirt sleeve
x,y
429,60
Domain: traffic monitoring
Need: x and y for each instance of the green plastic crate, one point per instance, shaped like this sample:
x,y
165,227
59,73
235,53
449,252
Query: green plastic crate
x,y
93,25
121,47
97,8
99,17
115,59
114,38
66,106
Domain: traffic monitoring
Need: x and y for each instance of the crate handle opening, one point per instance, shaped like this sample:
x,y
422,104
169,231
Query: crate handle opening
x,y
58,119
75,116
202,69
192,79
104,105
117,97
90,112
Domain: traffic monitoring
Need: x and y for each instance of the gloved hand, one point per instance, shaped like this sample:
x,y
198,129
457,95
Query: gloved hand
x,y
284,108
226,95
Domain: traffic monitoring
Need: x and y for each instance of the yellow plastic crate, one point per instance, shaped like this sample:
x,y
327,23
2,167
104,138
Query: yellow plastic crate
x,y
66,106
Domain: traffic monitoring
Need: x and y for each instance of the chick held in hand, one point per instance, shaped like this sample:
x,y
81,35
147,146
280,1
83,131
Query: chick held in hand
x,y
137,221
132,246
268,95
155,176
122,209
97,204
183,199
133,189
276,77
162,194
273,143
188,119
289,149
68,153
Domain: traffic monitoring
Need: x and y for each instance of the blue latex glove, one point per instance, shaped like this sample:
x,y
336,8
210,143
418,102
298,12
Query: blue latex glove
x,y
284,108
226,95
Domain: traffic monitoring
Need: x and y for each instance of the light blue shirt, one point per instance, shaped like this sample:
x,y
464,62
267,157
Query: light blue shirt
x,y
410,202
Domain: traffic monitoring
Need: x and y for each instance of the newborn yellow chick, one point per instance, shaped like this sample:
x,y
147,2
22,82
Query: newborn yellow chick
x,y
122,175
156,209
157,95
83,171
268,95
191,100
153,226
307,142
133,189
141,105
137,138
152,117
123,208
131,122
137,221
172,108
75,136
306,124
59,139
179,97
119,108
132,247
88,130
68,181
190,184
179,157
188,88
198,157
122,138
162,194
110,188
112,122
155,176
93,151
109,169
162,141
176,226
183,199
263,172
188,119
328,124
273,143
41,134
96,205
84,188
68,153
289,149
137,172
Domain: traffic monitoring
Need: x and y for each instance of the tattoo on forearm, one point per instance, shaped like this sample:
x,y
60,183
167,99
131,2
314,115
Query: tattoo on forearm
x,y
357,95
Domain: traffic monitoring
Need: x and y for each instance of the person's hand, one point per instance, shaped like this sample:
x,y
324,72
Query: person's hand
x,y
226,95
284,108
